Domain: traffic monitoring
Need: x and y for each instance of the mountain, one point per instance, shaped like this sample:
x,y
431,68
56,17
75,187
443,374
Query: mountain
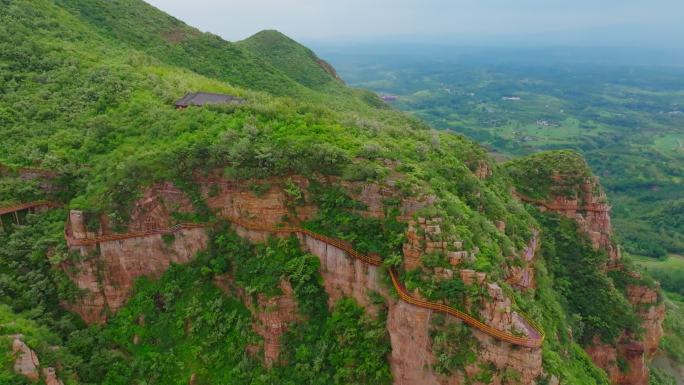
x,y
290,57
303,234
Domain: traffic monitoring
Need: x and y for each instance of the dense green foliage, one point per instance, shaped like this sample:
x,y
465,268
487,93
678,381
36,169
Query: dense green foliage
x,y
625,120
348,347
596,306
452,357
181,322
668,271
28,282
260,269
659,377
293,59
537,176
169,40
87,90
73,95
115,108
336,218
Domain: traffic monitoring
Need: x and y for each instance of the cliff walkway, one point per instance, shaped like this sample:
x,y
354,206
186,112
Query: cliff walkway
x,y
19,207
24,206
534,339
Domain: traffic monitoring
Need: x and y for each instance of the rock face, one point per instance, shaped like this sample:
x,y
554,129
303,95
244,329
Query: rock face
x,y
108,276
651,313
344,276
238,200
107,273
636,353
409,326
483,171
27,364
50,377
522,276
424,237
272,316
592,213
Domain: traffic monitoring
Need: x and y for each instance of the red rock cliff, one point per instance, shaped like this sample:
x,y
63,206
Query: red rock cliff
x,y
107,274
592,213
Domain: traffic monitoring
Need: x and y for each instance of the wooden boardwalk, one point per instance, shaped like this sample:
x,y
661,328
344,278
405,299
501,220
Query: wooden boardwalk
x,y
24,206
534,339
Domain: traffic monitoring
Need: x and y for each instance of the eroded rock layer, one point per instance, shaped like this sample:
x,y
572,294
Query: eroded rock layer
x,y
592,213
107,274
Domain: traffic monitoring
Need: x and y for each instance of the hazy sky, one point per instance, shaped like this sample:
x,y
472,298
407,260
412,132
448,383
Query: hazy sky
x,y
586,22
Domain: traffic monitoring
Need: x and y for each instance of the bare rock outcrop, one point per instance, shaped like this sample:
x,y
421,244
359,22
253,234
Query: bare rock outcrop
x,y
27,364
592,213
483,170
651,311
268,206
108,271
424,236
107,275
412,358
589,209
26,361
50,377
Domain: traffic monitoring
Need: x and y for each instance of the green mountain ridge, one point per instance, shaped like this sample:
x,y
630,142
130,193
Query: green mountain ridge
x,y
174,43
295,60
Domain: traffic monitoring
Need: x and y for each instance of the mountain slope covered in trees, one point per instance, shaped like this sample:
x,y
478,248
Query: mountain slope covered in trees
x,y
87,92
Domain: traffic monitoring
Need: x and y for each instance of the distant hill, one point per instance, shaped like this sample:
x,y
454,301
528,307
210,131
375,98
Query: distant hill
x,y
268,61
145,28
292,58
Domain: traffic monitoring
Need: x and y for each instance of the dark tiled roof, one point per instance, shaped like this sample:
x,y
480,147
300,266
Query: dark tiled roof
x,y
203,98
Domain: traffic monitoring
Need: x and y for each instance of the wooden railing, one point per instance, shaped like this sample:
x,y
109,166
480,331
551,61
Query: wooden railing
x,y
91,241
534,341
531,342
24,206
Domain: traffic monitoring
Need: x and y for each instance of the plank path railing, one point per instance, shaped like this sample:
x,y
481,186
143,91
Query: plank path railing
x,y
24,206
535,339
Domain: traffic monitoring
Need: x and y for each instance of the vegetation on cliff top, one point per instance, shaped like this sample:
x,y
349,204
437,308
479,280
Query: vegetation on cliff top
x,y
596,307
548,174
293,59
